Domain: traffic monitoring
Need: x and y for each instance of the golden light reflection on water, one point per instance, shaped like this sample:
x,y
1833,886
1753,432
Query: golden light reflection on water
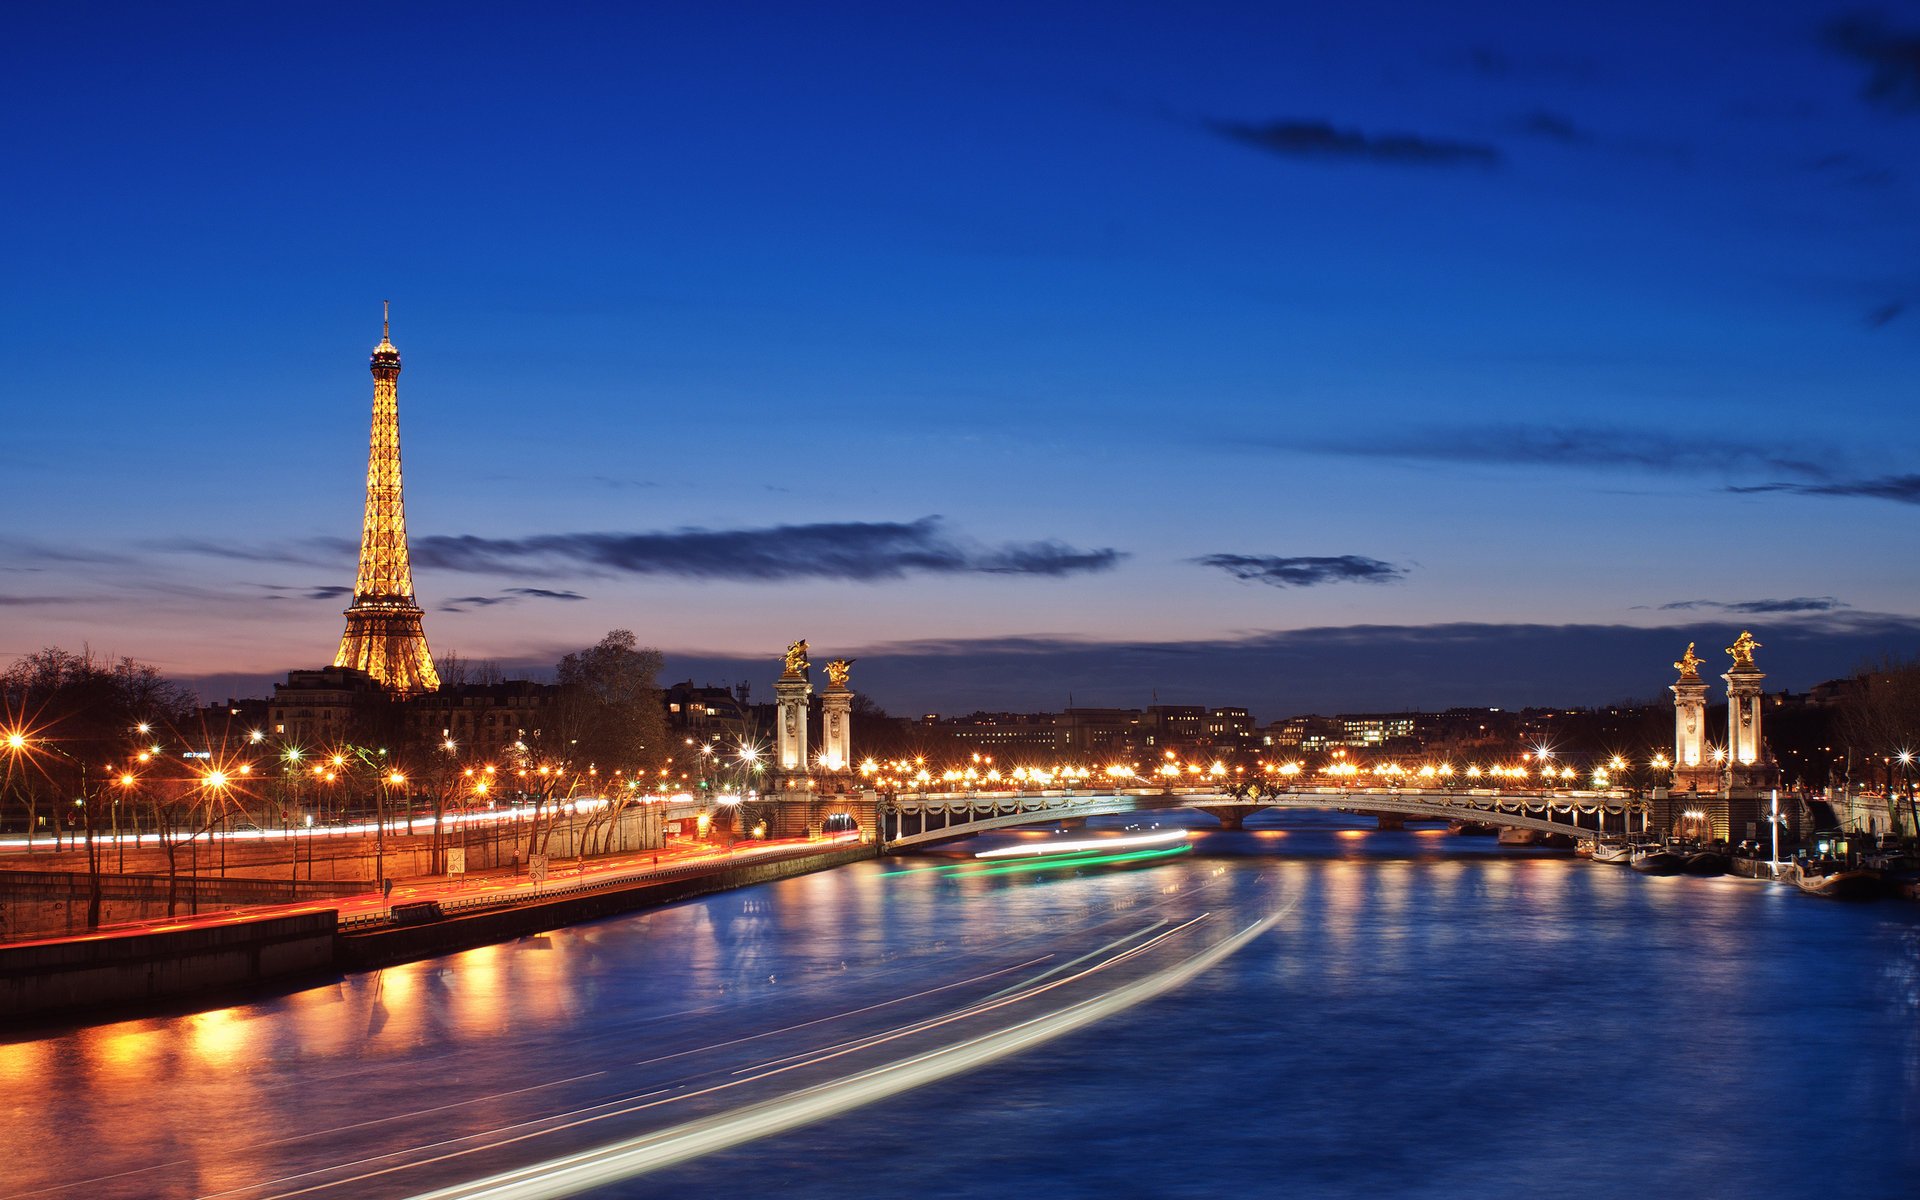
x,y
218,1038
129,1052
478,1007
25,1060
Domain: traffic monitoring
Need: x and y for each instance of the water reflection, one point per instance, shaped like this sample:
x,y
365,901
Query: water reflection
x,y
1414,982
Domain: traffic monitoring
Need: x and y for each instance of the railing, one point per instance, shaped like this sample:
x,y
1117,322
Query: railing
x,y
581,886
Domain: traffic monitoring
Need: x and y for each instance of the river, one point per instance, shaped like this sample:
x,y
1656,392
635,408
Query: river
x,y
1303,1009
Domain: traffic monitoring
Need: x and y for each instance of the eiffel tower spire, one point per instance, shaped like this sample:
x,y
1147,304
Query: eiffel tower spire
x,y
384,636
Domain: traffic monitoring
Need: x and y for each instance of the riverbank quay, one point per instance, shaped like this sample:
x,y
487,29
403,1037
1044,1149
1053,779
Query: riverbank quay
x,y
431,928
114,975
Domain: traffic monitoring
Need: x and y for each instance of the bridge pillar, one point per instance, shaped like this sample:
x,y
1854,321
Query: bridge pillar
x,y
1232,816
1389,821
790,735
836,727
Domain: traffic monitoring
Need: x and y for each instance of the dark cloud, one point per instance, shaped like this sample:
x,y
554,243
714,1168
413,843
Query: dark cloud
x,y
512,595
1885,313
1892,59
35,601
463,603
1490,63
322,591
1556,128
1855,171
1358,668
1573,446
1322,141
853,550
313,551
1902,489
612,481
1796,604
1303,571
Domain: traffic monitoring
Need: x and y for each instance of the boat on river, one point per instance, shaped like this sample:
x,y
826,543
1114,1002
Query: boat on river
x,y
1833,879
1707,862
1656,859
1620,853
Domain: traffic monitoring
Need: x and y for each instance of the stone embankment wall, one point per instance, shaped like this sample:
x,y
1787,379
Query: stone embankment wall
x,y
110,976
360,951
63,978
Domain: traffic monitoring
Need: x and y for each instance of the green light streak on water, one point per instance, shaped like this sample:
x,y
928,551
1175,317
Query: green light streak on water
x,y
1085,858
1080,860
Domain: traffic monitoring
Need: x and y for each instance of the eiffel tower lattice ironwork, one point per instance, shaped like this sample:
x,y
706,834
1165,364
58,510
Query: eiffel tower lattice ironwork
x,y
384,636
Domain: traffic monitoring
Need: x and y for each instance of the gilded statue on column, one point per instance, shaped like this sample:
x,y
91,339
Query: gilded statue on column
x,y
1742,651
1689,665
797,663
837,672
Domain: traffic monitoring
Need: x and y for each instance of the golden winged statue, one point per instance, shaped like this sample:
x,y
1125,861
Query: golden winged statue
x,y
1689,664
797,663
1742,650
837,672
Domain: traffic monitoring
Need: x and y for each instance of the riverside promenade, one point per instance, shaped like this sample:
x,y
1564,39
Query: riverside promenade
x,y
116,971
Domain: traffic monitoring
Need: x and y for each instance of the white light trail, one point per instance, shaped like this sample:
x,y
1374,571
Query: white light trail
x,y
574,1173
1124,842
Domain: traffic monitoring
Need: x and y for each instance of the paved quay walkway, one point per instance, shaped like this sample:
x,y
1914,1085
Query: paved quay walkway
x,y
498,886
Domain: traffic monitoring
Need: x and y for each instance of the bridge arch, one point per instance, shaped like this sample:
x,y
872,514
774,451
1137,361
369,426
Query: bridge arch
x,y
923,820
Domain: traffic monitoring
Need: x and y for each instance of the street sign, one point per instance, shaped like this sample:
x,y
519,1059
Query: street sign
x,y
457,860
537,868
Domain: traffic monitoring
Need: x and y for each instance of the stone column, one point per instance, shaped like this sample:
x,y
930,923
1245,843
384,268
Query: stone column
x,y
1747,763
836,727
790,736
1692,772
1744,747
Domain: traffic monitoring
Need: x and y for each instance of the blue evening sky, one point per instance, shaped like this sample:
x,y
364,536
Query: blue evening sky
x,y
1244,345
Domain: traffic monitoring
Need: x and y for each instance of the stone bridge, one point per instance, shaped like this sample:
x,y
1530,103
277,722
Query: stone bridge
x,y
921,819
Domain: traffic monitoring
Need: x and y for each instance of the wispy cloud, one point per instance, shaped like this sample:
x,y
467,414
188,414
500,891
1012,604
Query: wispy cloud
x,y
1884,314
465,603
1319,140
512,595
1303,571
1891,57
1573,446
1554,128
325,591
1796,604
1902,489
312,552
1492,63
852,550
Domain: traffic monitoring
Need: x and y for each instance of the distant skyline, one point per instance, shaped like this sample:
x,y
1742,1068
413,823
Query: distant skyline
x,y
1291,357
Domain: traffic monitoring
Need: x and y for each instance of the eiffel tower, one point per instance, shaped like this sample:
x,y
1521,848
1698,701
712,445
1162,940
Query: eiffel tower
x,y
384,637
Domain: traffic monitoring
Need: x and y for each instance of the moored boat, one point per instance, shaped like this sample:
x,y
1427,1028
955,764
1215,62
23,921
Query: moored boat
x,y
1656,859
1833,880
1510,836
1707,862
1620,853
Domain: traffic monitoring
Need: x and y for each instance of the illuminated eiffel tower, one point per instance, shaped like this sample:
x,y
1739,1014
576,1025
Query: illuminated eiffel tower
x,y
384,637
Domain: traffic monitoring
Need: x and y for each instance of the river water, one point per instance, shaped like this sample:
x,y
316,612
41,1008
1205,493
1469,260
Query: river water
x,y
1305,1009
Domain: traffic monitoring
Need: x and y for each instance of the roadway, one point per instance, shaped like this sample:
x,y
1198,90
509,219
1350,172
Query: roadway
x,y
499,886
